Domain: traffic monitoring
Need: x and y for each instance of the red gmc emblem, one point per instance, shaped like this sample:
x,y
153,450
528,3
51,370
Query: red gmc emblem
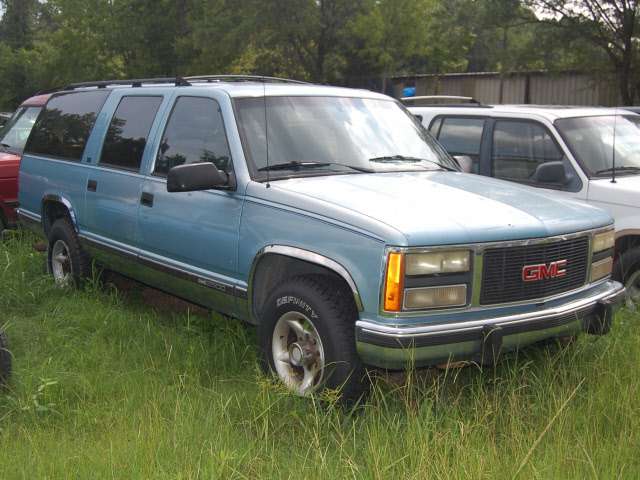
x,y
538,272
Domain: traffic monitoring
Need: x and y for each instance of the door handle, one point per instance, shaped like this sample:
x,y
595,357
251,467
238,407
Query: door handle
x,y
92,185
146,199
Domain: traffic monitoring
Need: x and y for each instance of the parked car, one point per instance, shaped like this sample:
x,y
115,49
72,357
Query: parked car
x,y
565,149
4,118
327,216
5,359
12,139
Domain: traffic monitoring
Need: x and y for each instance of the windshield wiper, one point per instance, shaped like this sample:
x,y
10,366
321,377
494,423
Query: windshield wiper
x,y
297,164
402,158
628,168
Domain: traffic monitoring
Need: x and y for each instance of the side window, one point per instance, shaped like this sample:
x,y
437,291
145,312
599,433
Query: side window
x,y
461,136
519,148
128,131
64,126
194,134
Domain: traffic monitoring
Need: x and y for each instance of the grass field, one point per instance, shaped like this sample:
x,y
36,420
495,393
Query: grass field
x,y
113,385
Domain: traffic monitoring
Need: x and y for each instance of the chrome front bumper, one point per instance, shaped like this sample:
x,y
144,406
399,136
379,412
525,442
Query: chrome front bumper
x,y
484,340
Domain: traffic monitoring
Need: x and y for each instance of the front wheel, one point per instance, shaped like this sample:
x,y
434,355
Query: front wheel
x,y
307,338
627,271
5,359
66,260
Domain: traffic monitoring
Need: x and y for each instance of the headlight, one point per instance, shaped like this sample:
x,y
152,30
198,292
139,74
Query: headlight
x,y
411,282
437,262
603,241
430,297
602,259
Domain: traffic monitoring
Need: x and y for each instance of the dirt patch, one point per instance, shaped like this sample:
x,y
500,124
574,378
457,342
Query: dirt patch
x,y
150,297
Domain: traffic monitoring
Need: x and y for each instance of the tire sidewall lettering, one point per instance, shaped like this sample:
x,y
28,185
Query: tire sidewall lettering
x,y
301,304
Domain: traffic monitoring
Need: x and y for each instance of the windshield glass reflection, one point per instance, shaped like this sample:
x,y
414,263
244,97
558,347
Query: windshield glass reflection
x,y
322,135
592,140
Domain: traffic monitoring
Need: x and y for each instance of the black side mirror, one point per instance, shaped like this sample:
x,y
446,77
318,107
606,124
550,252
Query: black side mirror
x,y
194,177
465,162
550,172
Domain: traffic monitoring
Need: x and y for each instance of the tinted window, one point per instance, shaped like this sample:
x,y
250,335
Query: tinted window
x,y
519,148
63,128
461,136
16,132
128,132
194,134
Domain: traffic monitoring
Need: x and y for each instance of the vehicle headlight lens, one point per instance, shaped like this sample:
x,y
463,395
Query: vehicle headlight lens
x,y
602,261
601,269
430,297
437,262
603,241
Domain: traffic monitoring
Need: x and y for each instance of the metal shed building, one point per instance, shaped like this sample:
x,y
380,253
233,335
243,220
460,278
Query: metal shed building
x,y
540,87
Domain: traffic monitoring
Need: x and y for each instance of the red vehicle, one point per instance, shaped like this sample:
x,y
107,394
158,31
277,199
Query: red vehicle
x,y
13,136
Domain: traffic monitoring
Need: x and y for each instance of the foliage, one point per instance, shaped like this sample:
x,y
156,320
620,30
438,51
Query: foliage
x,y
106,385
363,43
612,26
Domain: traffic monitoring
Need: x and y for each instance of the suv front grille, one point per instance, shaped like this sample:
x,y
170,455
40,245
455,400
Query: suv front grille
x,y
502,276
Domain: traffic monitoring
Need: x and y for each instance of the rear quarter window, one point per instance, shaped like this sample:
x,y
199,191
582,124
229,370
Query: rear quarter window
x,y
64,126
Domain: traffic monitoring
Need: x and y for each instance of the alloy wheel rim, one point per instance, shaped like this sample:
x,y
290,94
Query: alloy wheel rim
x,y
297,352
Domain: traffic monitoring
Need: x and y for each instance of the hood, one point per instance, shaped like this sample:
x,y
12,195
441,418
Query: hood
x,y
625,191
435,208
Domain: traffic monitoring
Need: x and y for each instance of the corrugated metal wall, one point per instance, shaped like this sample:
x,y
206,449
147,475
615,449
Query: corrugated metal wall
x,y
543,88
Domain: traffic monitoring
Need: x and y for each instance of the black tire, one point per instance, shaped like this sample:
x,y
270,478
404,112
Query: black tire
x,y
312,319
2,227
67,262
5,360
626,270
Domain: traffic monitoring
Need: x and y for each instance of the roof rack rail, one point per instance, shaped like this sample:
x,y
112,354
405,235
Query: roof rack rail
x,y
178,81
436,98
240,78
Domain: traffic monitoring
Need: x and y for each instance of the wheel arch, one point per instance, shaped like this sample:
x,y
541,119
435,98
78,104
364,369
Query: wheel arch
x,y
55,207
275,263
626,240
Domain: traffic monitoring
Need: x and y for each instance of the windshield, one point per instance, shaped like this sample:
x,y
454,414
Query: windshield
x,y
15,133
592,138
328,135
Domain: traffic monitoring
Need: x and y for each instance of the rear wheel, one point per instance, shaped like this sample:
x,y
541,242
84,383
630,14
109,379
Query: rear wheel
x,y
5,359
66,260
627,271
307,338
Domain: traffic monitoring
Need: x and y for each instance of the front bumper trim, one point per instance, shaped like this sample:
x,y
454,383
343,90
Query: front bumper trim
x,y
378,344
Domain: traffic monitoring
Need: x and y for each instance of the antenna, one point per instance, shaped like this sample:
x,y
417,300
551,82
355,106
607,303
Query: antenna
x,y
266,125
613,169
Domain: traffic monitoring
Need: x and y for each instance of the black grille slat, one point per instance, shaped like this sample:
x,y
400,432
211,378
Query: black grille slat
x,y
502,271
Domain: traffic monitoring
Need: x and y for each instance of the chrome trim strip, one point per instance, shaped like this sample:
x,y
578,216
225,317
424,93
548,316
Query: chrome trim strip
x,y
614,291
307,256
29,218
177,272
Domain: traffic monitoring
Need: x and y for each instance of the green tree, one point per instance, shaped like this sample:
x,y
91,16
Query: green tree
x,y
612,26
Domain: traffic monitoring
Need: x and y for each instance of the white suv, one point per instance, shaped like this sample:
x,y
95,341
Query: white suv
x,y
564,149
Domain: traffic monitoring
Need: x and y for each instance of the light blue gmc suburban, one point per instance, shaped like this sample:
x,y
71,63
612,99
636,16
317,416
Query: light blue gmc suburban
x,y
327,216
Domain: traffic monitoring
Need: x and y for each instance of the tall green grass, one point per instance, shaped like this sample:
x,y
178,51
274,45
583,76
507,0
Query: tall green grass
x,y
105,386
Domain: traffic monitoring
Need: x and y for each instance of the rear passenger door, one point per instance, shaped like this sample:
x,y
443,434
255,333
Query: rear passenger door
x,y
189,240
115,181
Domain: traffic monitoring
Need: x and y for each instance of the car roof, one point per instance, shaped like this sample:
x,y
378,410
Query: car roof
x,y
236,86
36,101
550,112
